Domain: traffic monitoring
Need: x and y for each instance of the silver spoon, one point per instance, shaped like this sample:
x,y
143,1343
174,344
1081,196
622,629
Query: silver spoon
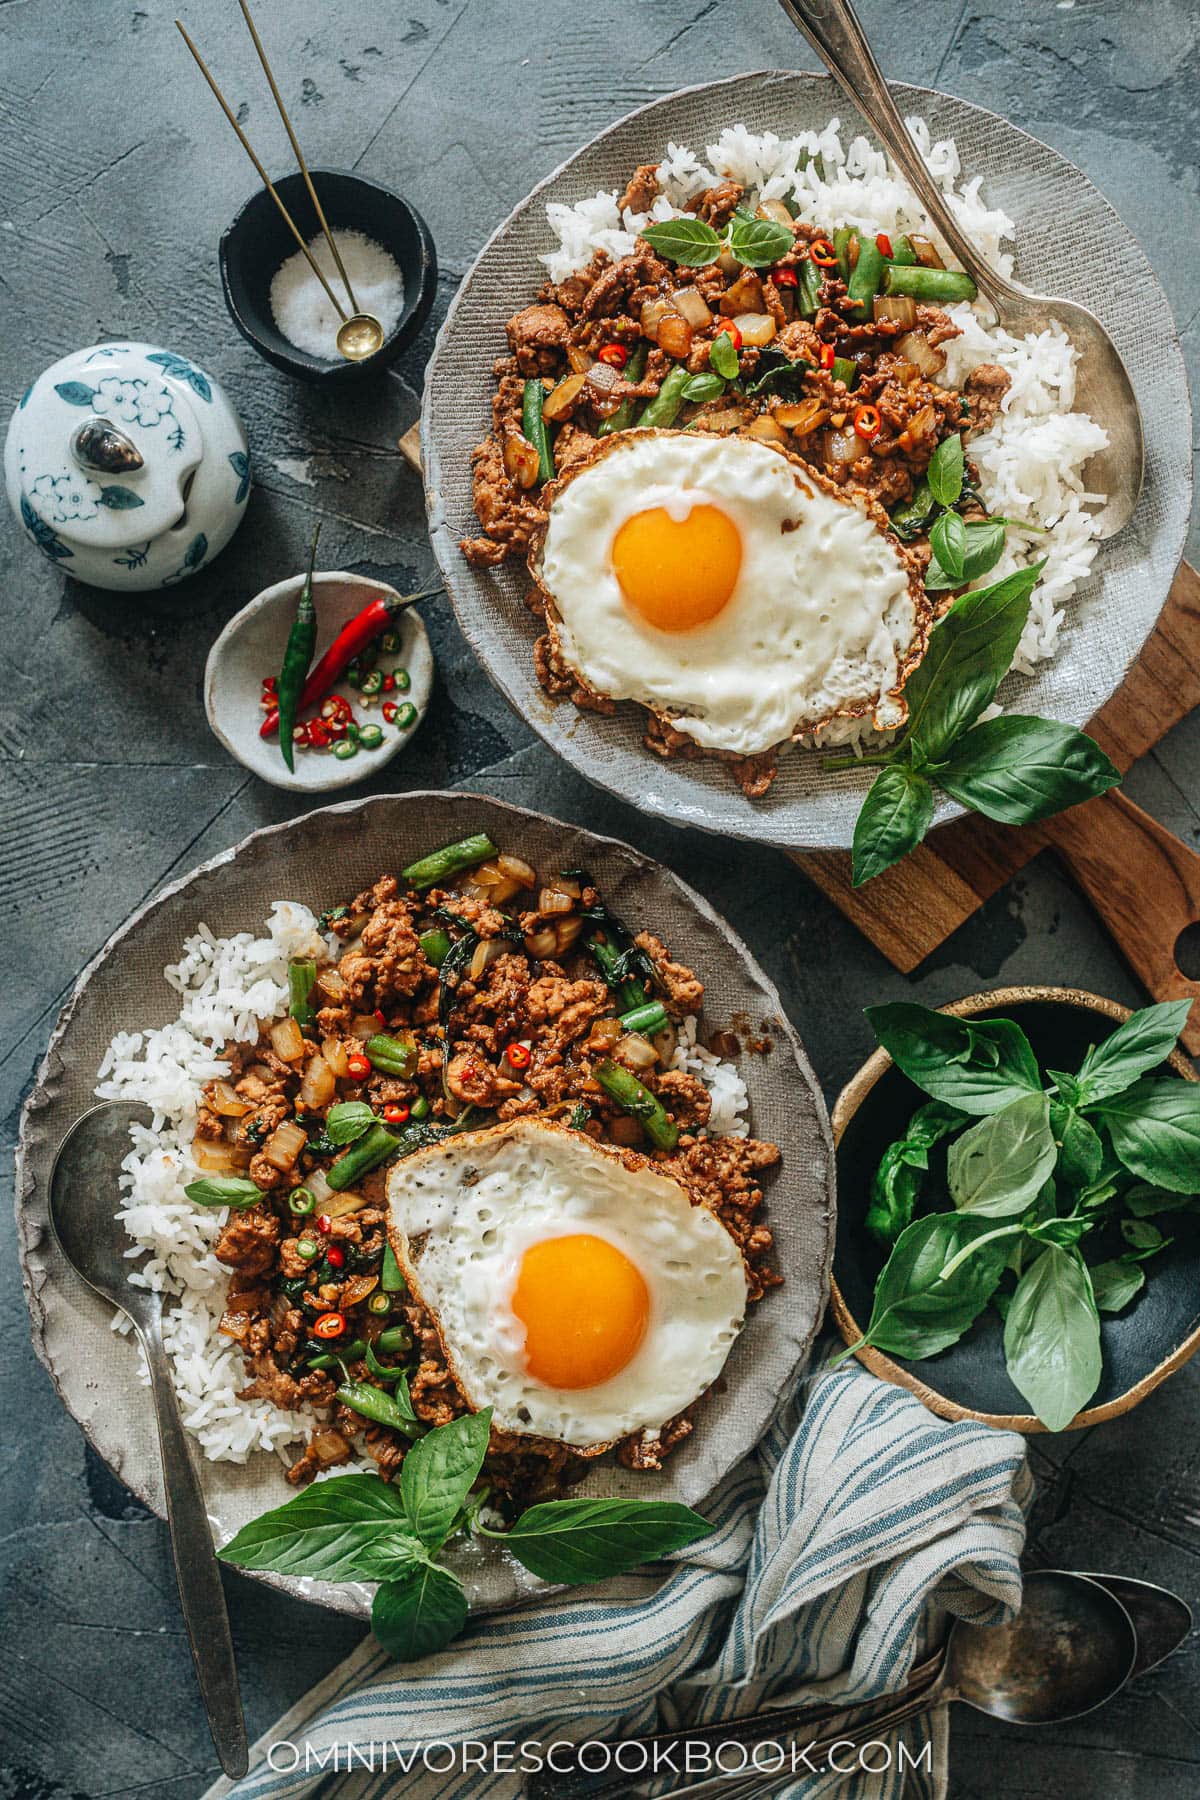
x,y
1102,387
1070,1649
83,1200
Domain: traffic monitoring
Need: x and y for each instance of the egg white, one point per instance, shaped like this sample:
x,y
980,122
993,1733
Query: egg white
x,y
461,1216
820,622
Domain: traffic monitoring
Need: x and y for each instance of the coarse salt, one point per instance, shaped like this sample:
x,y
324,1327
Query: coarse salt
x,y
303,311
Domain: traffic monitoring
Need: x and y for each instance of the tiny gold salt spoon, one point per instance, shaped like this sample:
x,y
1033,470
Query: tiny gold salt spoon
x,y
360,334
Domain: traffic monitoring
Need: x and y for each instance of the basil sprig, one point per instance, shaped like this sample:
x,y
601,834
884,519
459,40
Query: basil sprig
x,y
359,1528
224,1190
1013,768
1054,1187
756,243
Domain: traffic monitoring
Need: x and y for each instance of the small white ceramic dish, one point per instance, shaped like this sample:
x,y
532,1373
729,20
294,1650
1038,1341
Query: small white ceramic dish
x,y
251,647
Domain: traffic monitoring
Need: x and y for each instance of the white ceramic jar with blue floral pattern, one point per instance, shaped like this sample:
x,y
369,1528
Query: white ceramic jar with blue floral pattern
x,y
127,466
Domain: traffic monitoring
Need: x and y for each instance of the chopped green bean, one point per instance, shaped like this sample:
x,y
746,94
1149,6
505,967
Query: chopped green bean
x,y
635,1099
841,249
865,277
396,1056
419,1108
808,289
844,370
395,1341
450,860
390,1278
649,1019
372,1403
373,1148
435,945
348,1353
623,418
663,409
937,285
301,976
534,426
903,255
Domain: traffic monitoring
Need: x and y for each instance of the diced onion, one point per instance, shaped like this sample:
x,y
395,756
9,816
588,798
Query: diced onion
x,y
691,303
227,1102
901,307
566,932
357,1289
664,1042
674,335
553,900
744,295
580,359
652,312
284,1145
319,1084
329,1447
320,1189
776,211
486,953
604,1033
766,431
518,871
332,984
521,463
915,346
757,329
563,395
625,1131
364,1026
235,1324
287,1040
220,1158
602,378
337,1205
542,943
724,419
635,1051
843,447
802,416
925,252
728,263
337,1056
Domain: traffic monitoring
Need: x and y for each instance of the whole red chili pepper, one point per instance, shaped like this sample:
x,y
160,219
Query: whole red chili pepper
x,y
302,641
350,642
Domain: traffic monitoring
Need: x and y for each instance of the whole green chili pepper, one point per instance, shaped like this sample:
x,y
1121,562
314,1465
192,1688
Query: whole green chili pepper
x,y
374,1147
372,1403
534,426
634,369
302,641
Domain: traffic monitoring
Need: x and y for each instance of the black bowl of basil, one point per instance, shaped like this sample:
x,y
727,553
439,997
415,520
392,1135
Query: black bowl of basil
x,y
1019,1206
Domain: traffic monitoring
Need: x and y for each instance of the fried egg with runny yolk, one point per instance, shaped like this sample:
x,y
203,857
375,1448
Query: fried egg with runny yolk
x,y
581,1299
728,588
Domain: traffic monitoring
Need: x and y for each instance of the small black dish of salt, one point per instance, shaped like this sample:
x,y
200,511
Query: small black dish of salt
x,y
258,244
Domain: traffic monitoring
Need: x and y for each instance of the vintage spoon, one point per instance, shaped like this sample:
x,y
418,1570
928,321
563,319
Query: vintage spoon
x,y
1070,1649
1102,387
83,1191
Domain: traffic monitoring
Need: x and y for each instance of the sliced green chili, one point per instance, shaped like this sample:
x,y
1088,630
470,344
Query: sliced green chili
x,y
302,1201
402,680
370,737
380,1304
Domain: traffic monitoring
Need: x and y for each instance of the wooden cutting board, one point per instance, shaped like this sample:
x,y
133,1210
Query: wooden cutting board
x,y
1143,881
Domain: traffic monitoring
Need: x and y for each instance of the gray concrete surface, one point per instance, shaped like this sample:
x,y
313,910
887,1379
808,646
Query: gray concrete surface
x,y
116,178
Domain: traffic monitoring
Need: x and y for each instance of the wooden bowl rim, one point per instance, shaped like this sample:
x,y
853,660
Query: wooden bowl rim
x,y
847,1104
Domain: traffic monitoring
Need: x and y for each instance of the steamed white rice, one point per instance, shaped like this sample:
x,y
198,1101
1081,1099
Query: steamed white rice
x,y
225,987
1031,462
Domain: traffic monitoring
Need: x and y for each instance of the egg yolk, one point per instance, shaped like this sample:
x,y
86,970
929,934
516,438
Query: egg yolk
x,y
677,573
584,1307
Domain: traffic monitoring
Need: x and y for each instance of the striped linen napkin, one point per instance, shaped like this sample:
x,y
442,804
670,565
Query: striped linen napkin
x,y
859,1518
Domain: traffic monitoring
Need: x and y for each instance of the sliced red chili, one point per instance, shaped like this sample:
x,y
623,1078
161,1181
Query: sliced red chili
x,y
396,1113
390,709
268,682
785,278
518,1056
867,422
358,1067
336,706
379,1015
731,330
828,354
329,1325
335,1256
318,734
324,1224
883,243
823,253
615,355
389,683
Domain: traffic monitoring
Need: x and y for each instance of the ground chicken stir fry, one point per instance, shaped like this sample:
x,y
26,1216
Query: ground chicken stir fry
x,y
487,994
811,357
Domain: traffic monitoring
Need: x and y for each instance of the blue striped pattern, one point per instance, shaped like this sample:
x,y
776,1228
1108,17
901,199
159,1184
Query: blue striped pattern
x,y
860,1518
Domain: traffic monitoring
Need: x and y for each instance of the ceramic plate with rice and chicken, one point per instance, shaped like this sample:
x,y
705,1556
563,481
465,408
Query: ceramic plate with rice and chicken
x,y
498,1115
727,365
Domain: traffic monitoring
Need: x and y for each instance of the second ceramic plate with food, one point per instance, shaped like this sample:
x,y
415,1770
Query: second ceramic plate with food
x,y
227,944
734,655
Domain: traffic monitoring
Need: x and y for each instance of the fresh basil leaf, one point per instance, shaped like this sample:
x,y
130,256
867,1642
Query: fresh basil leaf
x,y
1147,1202
223,1190
1115,1283
703,387
1155,1130
723,356
970,652
997,1168
916,1313
347,1121
1142,1236
757,243
978,1065
948,538
438,1472
945,471
1017,770
1080,1151
896,1184
419,1612
1144,1041
326,1530
892,820
1067,1085
1057,1230
588,1540
911,517
1052,1337
391,1558
688,241
780,376
983,547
